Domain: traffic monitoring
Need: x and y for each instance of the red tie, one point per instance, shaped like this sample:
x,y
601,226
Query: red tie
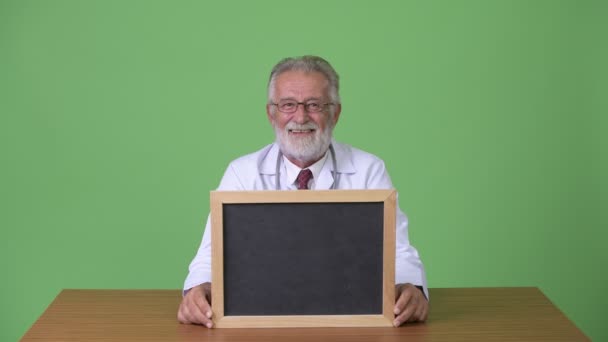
x,y
303,178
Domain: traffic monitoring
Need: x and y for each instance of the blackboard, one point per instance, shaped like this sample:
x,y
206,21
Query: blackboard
x,y
303,258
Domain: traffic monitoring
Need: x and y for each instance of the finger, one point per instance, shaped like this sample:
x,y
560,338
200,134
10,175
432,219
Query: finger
x,y
422,310
202,311
203,306
199,317
405,315
415,310
180,314
185,315
417,315
417,305
403,300
190,312
425,312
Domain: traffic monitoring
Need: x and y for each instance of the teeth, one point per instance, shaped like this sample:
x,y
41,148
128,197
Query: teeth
x,y
301,130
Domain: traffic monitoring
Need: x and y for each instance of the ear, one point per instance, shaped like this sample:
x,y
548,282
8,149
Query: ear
x,y
269,114
337,113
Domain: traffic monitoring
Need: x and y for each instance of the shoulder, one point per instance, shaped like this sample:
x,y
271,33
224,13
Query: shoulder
x,y
361,169
242,173
254,159
357,158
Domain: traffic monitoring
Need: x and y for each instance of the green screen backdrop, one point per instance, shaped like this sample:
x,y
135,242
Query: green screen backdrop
x,y
118,117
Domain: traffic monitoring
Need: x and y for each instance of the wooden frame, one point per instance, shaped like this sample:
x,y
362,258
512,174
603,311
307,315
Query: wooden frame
x,y
387,197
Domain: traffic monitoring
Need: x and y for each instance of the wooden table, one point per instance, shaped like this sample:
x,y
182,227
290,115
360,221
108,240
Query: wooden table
x,y
457,314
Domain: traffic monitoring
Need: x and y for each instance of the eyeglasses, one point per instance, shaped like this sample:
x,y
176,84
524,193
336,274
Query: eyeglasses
x,y
291,106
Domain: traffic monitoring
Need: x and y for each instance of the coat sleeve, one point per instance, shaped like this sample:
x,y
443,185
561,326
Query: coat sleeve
x,y
408,266
200,267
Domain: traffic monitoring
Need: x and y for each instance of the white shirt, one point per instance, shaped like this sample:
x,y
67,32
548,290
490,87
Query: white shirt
x,y
293,171
356,169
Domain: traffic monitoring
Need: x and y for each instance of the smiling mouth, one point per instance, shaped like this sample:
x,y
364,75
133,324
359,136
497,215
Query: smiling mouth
x,y
301,131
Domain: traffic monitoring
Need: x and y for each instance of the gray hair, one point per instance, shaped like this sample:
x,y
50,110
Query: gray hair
x,y
307,64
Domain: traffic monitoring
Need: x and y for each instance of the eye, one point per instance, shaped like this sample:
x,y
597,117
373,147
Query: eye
x,y
313,106
288,105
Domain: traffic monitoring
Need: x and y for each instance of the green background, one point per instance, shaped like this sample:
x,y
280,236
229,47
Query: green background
x,y
118,118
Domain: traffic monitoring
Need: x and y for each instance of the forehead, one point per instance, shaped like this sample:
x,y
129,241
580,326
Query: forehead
x,y
300,84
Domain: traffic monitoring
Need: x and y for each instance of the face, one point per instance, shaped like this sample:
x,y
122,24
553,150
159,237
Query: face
x,y
304,137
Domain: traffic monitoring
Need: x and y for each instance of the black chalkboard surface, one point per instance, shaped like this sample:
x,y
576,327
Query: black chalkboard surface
x,y
303,258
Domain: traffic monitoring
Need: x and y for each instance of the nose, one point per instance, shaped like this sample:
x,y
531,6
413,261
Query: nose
x,y
300,115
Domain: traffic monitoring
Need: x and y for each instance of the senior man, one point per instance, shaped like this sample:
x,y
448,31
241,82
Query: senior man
x,y
303,108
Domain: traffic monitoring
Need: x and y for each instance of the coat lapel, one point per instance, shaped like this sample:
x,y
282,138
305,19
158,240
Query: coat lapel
x,y
343,163
326,179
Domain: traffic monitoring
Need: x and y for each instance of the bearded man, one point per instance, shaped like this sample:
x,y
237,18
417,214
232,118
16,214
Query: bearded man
x,y
303,108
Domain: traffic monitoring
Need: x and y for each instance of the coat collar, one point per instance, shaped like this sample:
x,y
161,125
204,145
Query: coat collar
x,y
344,161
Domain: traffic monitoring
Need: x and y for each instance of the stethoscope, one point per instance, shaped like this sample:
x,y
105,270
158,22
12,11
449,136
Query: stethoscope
x,y
334,172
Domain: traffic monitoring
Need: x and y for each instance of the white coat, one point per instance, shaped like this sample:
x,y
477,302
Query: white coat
x,y
356,170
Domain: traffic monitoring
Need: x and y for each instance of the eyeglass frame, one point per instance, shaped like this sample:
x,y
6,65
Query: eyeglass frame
x,y
304,104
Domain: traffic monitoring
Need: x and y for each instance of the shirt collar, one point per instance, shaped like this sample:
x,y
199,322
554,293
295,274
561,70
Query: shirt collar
x,y
293,170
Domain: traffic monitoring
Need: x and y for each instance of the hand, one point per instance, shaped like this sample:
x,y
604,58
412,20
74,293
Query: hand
x,y
411,304
195,307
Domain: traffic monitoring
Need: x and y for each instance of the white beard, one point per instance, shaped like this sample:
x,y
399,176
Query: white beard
x,y
304,149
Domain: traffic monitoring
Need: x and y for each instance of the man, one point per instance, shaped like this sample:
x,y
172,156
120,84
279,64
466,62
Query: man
x,y
303,108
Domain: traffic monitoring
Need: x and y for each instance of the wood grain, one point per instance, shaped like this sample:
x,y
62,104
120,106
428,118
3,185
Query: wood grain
x,y
273,196
304,321
388,269
217,254
457,314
